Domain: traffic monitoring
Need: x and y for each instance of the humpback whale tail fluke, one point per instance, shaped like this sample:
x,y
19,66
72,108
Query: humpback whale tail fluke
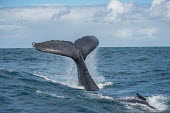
x,y
78,51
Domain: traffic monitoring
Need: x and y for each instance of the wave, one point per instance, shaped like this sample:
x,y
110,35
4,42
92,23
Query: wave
x,y
49,94
139,59
4,100
98,96
9,71
1,68
6,70
102,85
76,86
30,59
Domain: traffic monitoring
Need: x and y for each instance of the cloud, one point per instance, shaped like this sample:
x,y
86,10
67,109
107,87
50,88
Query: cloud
x,y
156,2
61,13
124,33
147,32
34,13
9,27
115,7
115,24
160,8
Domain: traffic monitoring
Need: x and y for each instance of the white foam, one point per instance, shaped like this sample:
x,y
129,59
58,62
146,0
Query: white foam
x,y
159,102
1,68
126,98
102,85
9,70
98,96
63,83
131,107
50,94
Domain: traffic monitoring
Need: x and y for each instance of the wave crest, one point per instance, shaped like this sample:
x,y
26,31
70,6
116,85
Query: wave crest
x,y
49,94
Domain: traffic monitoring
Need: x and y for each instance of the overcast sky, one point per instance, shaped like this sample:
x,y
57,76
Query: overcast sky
x,y
116,23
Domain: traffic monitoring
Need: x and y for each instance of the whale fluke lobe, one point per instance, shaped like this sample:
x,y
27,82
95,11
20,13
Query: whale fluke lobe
x,y
63,48
78,51
86,45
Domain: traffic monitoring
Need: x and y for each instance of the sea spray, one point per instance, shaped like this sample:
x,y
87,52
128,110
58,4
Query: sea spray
x,y
91,62
68,72
159,102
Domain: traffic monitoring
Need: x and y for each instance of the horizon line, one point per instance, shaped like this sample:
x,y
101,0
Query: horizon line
x,y
105,47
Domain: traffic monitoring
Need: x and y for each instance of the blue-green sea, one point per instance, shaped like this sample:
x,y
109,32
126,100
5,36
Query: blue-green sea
x,y
37,82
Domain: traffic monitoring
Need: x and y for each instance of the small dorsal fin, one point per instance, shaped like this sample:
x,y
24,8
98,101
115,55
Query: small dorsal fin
x,y
140,97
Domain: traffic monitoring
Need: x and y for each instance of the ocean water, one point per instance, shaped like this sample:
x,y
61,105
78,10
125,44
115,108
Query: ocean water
x,y
37,82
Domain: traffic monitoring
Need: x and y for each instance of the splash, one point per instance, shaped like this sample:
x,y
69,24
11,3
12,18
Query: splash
x,y
102,85
98,96
159,102
68,74
92,66
91,62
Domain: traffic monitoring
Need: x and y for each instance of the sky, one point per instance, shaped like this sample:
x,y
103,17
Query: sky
x,y
21,3
116,23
